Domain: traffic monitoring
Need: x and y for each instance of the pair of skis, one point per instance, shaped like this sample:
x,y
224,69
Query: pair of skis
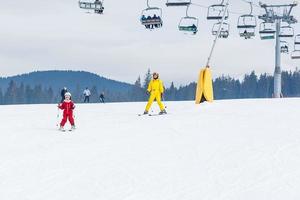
x,y
151,114
65,130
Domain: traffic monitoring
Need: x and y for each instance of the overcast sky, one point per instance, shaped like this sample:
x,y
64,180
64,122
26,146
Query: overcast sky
x,y
56,34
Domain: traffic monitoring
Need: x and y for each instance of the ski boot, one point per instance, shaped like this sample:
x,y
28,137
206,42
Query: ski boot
x,y
73,127
146,112
61,128
163,112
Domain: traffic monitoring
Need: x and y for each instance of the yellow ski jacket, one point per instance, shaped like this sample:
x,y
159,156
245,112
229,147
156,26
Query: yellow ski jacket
x,y
156,86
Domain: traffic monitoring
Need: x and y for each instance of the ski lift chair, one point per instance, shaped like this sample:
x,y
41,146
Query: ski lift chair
x,y
176,3
224,32
188,25
216,12
152,18
297,40
267,31
246,26
295,54
286,32
96,6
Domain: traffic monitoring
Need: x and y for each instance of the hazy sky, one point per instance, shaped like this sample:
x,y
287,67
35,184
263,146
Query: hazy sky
x,y
56,34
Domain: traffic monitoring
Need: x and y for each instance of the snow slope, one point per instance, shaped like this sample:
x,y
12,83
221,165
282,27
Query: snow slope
x,y
227,150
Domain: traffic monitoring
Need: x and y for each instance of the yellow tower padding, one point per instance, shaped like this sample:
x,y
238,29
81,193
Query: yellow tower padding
x,y
199,89
204,90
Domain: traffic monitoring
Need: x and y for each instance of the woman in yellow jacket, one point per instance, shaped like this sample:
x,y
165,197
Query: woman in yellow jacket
x,y
156,90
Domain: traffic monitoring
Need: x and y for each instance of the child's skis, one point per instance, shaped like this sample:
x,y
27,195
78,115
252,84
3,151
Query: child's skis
x,y
65,130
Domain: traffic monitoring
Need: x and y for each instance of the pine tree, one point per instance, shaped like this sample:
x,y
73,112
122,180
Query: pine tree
x,y
94,95
147,79
38,94
138,83
20,94
10,96
249,86
171,93
77,94
50,95
28,94
263,86
137,92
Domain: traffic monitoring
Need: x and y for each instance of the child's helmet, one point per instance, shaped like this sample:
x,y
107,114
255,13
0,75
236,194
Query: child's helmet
x,y
68,94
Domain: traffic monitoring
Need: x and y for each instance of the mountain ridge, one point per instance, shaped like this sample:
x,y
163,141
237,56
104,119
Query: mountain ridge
x,y
65,78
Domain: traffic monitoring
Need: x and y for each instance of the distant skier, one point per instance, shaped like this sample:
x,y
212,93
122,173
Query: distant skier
x,y
102,97
86,94
67,106
156,90
62,94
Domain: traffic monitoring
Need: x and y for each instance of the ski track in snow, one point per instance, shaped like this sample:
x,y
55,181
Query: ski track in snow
x,y
227,150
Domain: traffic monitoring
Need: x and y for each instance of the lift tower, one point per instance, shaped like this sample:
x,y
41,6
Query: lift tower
x,y
278,14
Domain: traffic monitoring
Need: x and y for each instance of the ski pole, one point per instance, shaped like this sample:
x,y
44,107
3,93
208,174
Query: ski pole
x,y
74,113
57,117
163,99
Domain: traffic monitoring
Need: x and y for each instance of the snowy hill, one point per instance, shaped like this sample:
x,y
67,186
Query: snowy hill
x,y
227,150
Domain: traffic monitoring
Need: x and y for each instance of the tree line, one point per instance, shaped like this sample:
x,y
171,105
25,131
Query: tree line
x,y
251,86
225,87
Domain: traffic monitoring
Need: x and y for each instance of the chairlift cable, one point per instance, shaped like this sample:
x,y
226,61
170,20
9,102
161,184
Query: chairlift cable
x,y
217,35
231,12
250,1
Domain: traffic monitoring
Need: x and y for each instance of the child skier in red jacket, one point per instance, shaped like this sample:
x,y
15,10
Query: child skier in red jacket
x,y
67,106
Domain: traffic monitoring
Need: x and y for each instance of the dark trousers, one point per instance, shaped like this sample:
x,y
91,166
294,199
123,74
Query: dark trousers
x,y
86,99
102,99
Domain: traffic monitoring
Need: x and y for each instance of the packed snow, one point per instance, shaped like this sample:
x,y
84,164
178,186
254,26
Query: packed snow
x,y
225,150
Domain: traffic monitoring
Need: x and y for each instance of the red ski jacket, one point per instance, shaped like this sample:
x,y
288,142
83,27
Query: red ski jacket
x,y
67,106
